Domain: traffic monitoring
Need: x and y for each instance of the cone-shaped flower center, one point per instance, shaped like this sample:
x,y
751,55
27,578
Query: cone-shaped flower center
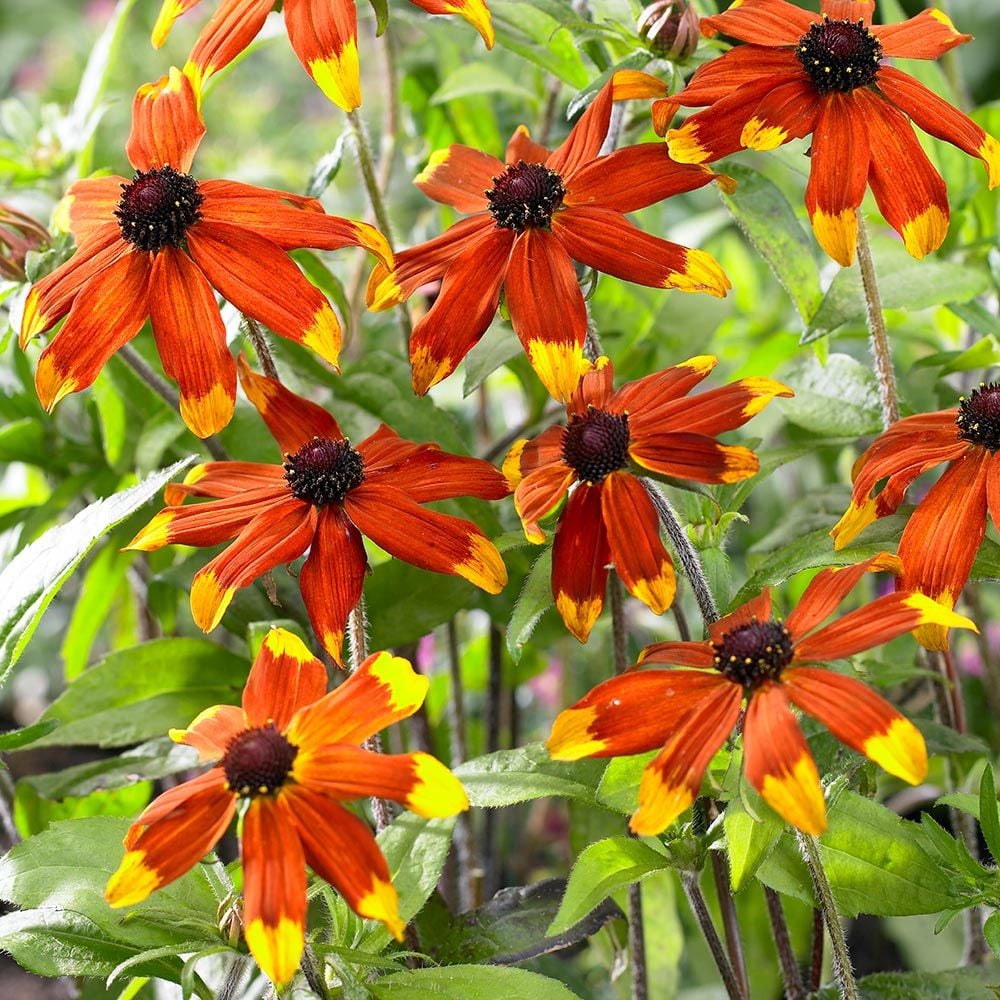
x,y
840,55
979,416
595,443
324,471
157,207
257,761
525,195
754,653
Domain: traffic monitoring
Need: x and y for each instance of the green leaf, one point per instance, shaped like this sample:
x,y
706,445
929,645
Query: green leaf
x,y
33,813
498,346
767,219
533,601
540,38
954,984
381,9
989,818
22,441
481,78
600,870
138,693
877,863
991,931
18,738
33,577
469,982
619,787
836,399
749,838
943,739
511,776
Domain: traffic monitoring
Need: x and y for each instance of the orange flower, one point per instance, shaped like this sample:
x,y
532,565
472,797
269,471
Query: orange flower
x,y
323,33
609,517
285,762
324,498
534,215
751,656
161,245
942,536
827,75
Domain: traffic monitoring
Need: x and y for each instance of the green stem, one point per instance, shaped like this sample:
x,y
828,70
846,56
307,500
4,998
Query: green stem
x,y
700,910
842,971
878,337
790,974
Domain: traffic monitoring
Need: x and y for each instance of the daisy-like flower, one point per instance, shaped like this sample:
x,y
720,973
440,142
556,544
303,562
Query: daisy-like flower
x,y
325,497
160,245
753,658
650,424
828,74
942,536
284,763
532,217
323,33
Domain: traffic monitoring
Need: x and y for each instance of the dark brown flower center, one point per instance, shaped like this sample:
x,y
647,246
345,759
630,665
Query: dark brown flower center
x,y
840,55
157,208
979,416
324,471
754,653
595,443
524,196
258,761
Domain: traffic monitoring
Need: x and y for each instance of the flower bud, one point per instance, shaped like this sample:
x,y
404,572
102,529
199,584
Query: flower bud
x,y
670,28
19,233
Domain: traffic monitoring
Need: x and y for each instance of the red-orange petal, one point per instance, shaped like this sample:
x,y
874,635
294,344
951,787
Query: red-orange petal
x,y
586,137
211,731
608,242
596,387
672,779
633,530
861,719
284,678
778,763
332,578
761,22
247,269
547,310
274,886
170,836
459,176
234,25
838,175
789,111
383,690
848,10
223,479
911,194
437,542
90,204
758,608
580,557
106,313
682,654
695,457
993,489
167,127
276,535
650,399
474,11
463,310
618,718
325,38
293,420
929,35
428,474
169,12
523,147
538,494
743,64
417,780
340,848
191,339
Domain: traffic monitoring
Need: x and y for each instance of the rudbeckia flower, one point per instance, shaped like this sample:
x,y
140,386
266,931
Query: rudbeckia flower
x,y
650,424
324,498
533,216
827,74
943,534
753,658
161,245
284,763
323,33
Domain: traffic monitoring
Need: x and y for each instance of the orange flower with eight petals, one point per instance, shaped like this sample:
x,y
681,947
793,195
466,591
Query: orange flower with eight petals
x,y
752,657
609,517
827,74
160,245
324,498
533,216
323,33
285,762
939,543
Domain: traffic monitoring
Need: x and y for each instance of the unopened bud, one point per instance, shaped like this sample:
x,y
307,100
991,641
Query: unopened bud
x,y
670,28
19,233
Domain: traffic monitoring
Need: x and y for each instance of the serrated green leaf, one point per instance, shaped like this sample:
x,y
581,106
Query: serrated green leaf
x,y
619,787
533,601
836,399
955,984
989,817
749,839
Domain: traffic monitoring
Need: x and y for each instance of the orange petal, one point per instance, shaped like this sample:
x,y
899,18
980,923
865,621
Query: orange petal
x,y
523,147
383,690
761,22
325,38
169,12
474,11
167,127
694,457
171,835
459,176
223,479
615,720
90,204
211,731
650,399
927,36
756,609
671,780
284,678
777,761
788,112
721,76
539,494
234,25
274,886
860,719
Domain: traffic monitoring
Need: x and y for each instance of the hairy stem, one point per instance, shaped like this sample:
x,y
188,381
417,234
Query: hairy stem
x,y
700,910
816,952
730,921
792,978
686,553
878,337
494,696
261,347
842,971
